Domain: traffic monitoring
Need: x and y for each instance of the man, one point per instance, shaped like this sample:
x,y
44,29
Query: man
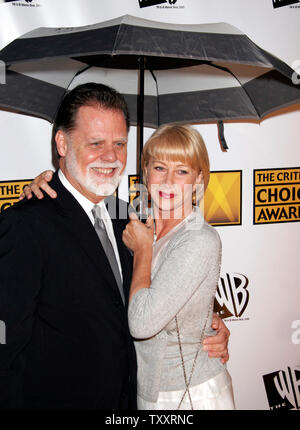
x,y
68,344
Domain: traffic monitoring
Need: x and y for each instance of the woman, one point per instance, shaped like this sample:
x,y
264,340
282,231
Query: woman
x,y
174,280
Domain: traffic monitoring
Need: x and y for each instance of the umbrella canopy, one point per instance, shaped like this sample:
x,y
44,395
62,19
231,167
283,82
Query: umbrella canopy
x,y
187,73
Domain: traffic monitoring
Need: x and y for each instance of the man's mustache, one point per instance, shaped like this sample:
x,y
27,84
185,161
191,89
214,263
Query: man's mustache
x,y
98,165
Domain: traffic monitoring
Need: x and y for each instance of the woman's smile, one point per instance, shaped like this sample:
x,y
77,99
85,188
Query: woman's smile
x,y
165,195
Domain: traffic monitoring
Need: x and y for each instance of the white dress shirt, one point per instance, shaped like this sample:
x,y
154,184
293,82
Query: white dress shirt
x,y
87,206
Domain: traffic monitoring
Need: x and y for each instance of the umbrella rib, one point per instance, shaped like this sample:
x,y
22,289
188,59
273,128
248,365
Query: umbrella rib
x,y
79,73
75,75
229,71
157,94
116,38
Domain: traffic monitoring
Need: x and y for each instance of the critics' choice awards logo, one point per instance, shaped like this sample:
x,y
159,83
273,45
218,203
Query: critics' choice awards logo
x,y
232,296
147,3
276,195
222,200
280,3
10,192
28,3
283,388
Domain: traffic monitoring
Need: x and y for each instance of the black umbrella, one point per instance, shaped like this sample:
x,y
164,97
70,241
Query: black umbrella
x,y
186,73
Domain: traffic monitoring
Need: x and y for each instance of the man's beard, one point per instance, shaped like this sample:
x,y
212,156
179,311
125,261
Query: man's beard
x,y
90,180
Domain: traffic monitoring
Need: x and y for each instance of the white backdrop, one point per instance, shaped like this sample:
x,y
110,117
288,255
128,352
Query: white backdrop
x,y
265,339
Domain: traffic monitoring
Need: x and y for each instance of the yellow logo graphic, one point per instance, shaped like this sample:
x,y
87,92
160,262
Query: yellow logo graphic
x,y
222,200
276,195
10,192
133,181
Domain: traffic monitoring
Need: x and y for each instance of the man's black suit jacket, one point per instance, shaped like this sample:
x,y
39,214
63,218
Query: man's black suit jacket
x,y
67,340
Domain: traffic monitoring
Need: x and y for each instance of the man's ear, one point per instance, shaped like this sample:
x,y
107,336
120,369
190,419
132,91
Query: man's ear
x,y
61,143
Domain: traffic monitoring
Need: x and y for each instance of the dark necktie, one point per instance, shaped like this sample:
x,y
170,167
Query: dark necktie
x,y
108,248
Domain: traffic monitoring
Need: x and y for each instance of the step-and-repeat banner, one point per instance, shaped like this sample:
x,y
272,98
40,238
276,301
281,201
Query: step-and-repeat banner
x,y
253,197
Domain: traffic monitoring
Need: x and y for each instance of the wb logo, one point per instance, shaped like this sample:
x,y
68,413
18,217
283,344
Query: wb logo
x,y
283,389
232,295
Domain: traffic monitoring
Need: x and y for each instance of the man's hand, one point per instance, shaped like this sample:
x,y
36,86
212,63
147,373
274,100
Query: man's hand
x,y
39,183
217,346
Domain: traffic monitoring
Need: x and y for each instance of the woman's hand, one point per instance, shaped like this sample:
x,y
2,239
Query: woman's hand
x,y
39,183
138,236
217,346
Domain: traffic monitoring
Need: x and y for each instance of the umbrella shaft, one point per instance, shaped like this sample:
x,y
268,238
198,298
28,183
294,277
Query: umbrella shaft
x,y
141,113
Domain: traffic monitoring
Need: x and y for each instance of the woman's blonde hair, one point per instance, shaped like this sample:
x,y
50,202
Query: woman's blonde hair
x,y
176,142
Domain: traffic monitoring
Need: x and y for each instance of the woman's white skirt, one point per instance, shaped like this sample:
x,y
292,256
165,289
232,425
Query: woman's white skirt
x,y
214,394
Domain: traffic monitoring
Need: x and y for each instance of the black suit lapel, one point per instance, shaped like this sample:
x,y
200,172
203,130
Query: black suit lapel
x,y
80,227
125,257
118,211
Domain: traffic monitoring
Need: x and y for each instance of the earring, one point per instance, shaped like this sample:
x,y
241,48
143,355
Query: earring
x,y
194,199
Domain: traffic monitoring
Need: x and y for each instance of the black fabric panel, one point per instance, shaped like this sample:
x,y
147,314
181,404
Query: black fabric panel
x,y
272,91
30,96
269,92
202,106
187,44
134,40
63,45
150,110
132,62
